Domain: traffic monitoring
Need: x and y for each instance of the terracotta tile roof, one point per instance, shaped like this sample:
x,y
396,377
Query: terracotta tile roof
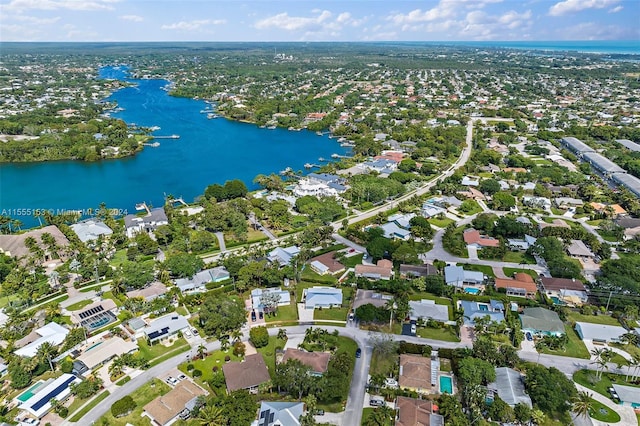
x,y
413,412
520,280
328,261
318,361
472,236
247,374
415,372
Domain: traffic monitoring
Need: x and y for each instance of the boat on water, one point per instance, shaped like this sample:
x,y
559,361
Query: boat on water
x,y
308,165
271,127
212,115
285,171
319,133
347,144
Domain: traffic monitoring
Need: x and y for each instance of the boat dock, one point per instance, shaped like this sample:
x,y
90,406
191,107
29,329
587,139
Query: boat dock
x,y
309,165
340,156
166,137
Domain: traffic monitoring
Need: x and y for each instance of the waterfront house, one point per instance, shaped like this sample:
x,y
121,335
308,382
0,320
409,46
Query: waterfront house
x,y
90,229
14,245
147,223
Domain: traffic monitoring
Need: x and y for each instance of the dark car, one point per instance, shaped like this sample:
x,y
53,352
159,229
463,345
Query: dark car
x,y
358,353
529,337
253,315
260,315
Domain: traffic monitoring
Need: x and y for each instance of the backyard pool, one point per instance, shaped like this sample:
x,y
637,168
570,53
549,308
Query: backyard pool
x,y
471,290
446,385
29,392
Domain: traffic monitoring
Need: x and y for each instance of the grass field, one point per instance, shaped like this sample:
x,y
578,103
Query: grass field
x,y
309,274
77,416
285,313
158,350
79,305
518,257
384,365
574,348
440,223
510,271
367,418
206,365
445,334
593,319
351,262
603,413
588,379
331,314
142,396
485,269
269,353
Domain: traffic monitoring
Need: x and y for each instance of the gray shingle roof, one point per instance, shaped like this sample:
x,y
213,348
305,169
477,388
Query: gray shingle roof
x,y
510,387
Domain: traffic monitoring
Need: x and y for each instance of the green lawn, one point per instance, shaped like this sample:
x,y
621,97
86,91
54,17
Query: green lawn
x,y
594,222
331,314
384,365
603,413
79,305
119,258
269,353
445,334
215,358
158,350
366,421
630,349
285,313
309,274
593,319
518,257
351,262
476,208
574,348
109,295
4,301
510,271
588,378
77,416
142,397
485,269
440,223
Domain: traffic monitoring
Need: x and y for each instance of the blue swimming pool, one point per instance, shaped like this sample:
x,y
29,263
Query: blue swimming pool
x,y
446,385
483,307
471,290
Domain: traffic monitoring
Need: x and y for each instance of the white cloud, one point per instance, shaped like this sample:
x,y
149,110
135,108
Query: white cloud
x,y
616,9
22,5
443,10
283,21
570,6
193,25
32,20
132,18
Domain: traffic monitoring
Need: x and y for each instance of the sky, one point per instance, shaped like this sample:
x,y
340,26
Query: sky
x,y
326,20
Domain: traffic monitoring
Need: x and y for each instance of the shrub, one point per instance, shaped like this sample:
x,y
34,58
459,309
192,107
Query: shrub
x,y
123,406
239,349
197,373
227,358
259,336
190,367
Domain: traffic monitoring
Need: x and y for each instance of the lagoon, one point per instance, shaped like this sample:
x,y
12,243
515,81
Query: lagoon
x,y
208,151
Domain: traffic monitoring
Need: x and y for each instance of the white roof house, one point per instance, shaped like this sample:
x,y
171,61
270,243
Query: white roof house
x,y
257,293
323,297
90,229
628,395
166,326
59,389
200,279
283,255
428,309
510,387
53,333
457,276
599,332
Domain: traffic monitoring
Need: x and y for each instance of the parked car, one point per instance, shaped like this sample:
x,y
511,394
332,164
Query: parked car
x,y
414,329
319,412
187,334
195,331
253,316
358,353
182,377
391,383
261,315
529,337
171,380
351,316
376,401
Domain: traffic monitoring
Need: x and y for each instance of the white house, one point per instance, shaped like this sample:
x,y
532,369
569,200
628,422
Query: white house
x,y
51,333
600,333
323,297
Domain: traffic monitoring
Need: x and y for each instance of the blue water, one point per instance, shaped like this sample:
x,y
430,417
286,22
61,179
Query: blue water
x,y
471,290
208,151
629,47
446,385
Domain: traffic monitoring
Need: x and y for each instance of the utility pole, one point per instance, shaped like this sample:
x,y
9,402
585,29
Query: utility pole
x,y
608,300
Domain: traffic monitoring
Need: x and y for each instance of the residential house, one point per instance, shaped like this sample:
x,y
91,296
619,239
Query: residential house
x,y
509,385
384,167
322,297
150,292
247,374
521,285
52,333
199,281
90,229
258,296
428,309
326,264
457,276
175,404
429,210
568,202
283,256
13,245
600,333
537,202
629,396
470,181
521,244
631,226
317,361
101,352
277,413
417,412
398,226
555,223
383,270
472,310
578,250
541,322
565,290
318,187
364,297
412,271
614,209
445,201
472,193
148,223
95,315
165,327
472,237
39,403
415,374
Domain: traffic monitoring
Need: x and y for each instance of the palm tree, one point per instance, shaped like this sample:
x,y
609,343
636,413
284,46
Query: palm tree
x,y
236,335
391,307
537,416
202,351
581,404
282,334
45,351
117,367
211,415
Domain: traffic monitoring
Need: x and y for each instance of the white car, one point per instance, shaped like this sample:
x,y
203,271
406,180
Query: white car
x,y
391,383
414,329
187,334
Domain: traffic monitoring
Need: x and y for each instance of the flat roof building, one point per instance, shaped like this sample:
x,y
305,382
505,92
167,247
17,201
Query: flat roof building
x,y
600,333
59,389
632,146
576,145
602,163
628,181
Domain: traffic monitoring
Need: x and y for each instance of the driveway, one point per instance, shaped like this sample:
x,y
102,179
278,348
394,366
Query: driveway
x,y
304,314
627,415
473,252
